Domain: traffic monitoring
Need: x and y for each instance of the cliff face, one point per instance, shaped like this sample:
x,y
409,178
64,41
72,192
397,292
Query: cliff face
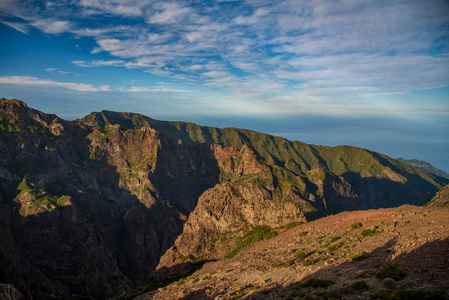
x,y
90,210
90,206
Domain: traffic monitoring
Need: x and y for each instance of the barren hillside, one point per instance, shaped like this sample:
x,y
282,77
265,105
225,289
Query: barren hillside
x,y
396,253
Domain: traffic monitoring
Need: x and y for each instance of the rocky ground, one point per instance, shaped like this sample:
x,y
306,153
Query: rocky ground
x,y
396,253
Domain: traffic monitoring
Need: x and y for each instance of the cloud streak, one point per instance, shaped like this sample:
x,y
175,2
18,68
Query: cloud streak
x,y
260,48
45,83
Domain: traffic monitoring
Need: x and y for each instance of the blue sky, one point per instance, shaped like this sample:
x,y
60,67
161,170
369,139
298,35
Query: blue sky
x,y
373,74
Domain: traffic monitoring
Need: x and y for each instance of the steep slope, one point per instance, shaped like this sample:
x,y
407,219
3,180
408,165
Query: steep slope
x,y
111,201
376,180
425,166
89,207
441,198
396,253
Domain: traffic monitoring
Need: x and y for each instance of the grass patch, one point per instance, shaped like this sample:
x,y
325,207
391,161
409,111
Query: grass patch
x,y
292,225
300,255
368,232
308,262
332,248
302,233
334,239
258,233
358,256
288,263
356,225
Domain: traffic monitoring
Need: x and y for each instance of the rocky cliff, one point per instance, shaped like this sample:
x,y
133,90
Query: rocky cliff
x,y
90,206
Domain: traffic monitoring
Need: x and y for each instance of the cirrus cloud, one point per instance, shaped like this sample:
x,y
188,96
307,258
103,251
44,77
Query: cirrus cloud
x,y
45,83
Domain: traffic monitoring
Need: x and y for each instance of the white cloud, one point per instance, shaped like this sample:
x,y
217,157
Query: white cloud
x,y
58,71
98,63
121,8
21,27
140,89
52,26
169,13
259,47
33,81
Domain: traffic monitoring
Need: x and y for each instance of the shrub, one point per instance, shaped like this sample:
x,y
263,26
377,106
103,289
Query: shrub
x,y
292,225
302,233
308,262
406,284
391,271
300,255
288,263
367,232
317,283
334,238
258,233
356,225
360,286
332,248
389,283
358,256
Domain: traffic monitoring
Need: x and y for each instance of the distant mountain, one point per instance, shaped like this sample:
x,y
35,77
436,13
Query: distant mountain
x,y
425,166
89,207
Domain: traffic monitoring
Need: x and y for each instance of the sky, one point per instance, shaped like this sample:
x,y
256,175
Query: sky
x,y
372,74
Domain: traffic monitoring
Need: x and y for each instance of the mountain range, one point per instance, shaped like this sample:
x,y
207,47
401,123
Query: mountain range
x,y
95,206
425,166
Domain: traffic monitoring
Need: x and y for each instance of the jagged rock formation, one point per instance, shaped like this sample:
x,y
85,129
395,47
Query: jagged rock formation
x,y
90,206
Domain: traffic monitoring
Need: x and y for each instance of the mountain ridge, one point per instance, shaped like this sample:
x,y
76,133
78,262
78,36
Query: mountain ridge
x,y
425,166
121,186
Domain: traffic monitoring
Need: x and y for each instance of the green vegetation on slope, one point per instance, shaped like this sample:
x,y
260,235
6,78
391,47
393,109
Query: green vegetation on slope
x,y
295,156
258,233
356,173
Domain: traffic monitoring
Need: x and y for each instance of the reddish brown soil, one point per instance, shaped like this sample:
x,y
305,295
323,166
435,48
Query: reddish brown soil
x,y
416,239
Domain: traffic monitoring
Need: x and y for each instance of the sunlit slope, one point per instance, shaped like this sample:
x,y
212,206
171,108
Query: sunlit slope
x,y
293,155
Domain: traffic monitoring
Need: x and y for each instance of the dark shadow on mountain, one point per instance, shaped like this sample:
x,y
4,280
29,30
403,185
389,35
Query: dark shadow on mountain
x,y
105,240
425,268
163,277
372,193
166,275
197,295
184,172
